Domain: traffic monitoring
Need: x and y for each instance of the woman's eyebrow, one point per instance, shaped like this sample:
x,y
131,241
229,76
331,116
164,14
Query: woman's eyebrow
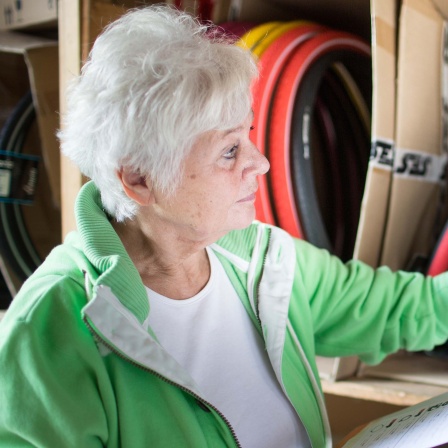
x,y
230,131
238,128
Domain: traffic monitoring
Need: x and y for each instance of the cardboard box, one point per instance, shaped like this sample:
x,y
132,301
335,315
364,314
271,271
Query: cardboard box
x,y
20,14
31,63
375,202
417,210
416,192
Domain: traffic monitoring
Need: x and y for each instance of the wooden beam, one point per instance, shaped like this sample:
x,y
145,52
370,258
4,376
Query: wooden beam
x,y
69,66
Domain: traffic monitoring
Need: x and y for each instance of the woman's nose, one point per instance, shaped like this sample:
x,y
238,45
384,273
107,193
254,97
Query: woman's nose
x,y
263,164
256,163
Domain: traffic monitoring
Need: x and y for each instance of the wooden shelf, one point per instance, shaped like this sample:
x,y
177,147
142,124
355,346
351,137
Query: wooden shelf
x,y
402,379
410,367
396,392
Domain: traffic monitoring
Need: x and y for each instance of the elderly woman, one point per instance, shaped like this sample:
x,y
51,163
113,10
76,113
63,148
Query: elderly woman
x,y
170,318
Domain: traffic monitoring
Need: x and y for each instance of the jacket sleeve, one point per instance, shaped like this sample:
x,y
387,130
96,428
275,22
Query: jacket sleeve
x,y
356,310
50,381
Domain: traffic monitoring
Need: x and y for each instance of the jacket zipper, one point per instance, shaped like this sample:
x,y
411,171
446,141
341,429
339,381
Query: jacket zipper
x,y
158,375
301,355
317,392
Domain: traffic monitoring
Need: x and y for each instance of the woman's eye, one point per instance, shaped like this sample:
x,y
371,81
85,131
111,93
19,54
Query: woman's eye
x,y
231,154
252,128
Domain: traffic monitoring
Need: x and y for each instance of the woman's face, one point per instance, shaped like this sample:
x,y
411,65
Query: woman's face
x,y
217,190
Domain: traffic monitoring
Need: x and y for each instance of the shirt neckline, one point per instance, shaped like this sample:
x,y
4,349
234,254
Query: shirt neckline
x,y
153,295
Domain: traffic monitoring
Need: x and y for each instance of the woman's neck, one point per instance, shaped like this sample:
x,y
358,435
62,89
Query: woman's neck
x,y
167,264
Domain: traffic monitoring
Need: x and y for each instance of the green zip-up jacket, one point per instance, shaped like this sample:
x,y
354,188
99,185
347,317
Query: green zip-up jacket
x,y
79,366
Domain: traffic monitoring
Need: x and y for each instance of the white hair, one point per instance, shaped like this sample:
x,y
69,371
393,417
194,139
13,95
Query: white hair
x,y
155,80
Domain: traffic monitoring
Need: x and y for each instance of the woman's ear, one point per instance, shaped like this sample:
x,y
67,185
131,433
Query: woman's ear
x,y
136,186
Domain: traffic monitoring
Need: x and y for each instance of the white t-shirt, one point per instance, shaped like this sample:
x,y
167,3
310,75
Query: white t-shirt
x,y
212,337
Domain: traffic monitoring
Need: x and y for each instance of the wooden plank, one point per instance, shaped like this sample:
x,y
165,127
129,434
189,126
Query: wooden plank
x,y
412,367
69,66
400,393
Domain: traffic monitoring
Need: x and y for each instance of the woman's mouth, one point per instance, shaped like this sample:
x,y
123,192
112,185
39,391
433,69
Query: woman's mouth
x,y
249,198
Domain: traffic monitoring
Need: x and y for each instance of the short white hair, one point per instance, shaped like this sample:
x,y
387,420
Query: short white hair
x,y
155,80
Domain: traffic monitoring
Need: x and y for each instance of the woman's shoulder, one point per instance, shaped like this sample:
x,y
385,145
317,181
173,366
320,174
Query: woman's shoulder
x,y
55,288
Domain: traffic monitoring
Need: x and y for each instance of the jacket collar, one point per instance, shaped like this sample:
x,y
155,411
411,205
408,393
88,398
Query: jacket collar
x,y
118,307
102,246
